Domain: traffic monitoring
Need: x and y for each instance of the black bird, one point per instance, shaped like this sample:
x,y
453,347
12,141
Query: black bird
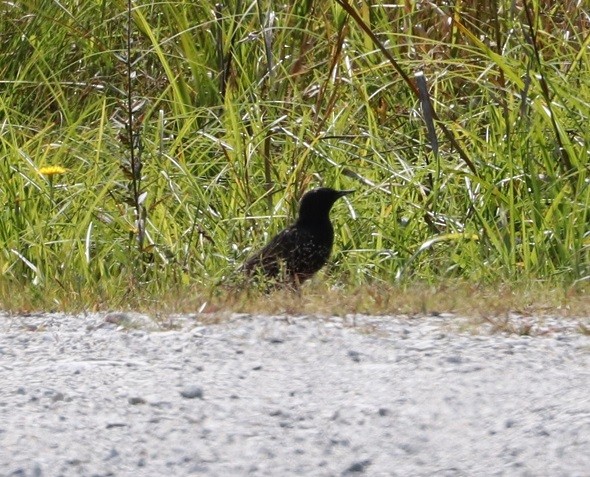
x,y
299,251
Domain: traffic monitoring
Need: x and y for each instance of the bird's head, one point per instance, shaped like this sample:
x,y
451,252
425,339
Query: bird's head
x,y
316,204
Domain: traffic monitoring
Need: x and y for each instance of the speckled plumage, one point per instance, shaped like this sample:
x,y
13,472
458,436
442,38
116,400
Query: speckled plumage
x,y
301,250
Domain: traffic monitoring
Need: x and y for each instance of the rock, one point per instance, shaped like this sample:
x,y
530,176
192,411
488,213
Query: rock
x,y
192,392
136,400
357,467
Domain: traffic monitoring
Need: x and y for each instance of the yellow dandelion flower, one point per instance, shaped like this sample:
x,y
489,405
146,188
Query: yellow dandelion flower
x,y
52,170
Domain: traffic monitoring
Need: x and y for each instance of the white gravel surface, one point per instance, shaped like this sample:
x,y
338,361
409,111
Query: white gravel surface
x,y
119,395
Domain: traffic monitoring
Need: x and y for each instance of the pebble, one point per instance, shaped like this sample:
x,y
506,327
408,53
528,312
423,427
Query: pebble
x,y
136,400
357,467
192,392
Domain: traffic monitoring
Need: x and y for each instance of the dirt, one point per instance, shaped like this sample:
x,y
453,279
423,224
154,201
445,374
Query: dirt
x,y
122,395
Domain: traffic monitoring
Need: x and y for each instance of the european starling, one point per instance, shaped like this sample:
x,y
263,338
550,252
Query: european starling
x,y
299,251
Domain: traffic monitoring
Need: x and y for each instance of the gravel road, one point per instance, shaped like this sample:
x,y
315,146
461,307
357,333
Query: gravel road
x,y
120,395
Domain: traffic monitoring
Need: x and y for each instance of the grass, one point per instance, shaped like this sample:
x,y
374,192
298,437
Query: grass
x,y
188,131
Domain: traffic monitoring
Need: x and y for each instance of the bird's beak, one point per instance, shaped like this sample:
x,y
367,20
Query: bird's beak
x,y
342,193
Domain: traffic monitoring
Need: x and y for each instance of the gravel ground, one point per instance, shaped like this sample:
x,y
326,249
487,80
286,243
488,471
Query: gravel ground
x,y
119,395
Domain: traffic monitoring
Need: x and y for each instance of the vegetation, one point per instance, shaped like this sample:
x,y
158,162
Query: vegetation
x,y
147,147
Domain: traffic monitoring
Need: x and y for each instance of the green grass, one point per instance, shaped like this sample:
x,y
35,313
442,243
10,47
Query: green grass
x,y
236,112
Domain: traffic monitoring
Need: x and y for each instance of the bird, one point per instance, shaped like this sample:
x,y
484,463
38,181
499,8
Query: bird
x,y
299,251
